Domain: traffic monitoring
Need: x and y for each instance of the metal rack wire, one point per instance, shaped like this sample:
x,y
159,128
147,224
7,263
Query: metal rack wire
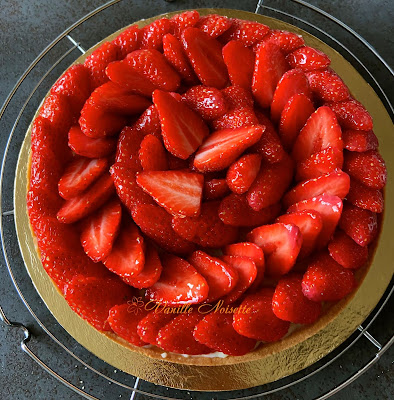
x,y
133,387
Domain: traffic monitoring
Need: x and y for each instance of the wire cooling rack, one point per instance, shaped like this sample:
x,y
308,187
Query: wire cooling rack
x,y
81,371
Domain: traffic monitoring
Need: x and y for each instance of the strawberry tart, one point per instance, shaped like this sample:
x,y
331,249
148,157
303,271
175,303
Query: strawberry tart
x,y
204,185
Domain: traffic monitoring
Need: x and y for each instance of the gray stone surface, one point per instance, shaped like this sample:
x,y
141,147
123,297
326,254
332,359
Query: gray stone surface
x,y
28,26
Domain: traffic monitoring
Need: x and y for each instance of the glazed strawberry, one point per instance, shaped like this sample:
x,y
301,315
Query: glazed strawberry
x,y
216,331
179,192
235,210
123,320
293,117
310,224
240,63
289,303
248,32
330,209
129,144
346,252
92,298
179,284
98,61
152,154
320,131
152,34
207,229
336,183
260,323
87,202
215,189
287,41
220,276
269,67
154,66
308,59
365,197
182,129
128,40
361,225
214,25
80,173
368,168
57,110
237,118
326,85
243,172
100,231
205,55
224,146
326,280
155,223
359,140
149,326
184,20
292,82
149,122
237,97
352,115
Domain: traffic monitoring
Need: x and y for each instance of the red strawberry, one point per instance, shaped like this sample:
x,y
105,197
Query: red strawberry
x,y
87,202
205,55
352,115
128,40
207,229
152,154
214,25
123,320
320,131
100,231
287,41
215,189
152,34
234,210
98,61
92,298
224,146
326,280
308,59
260,322
248,32
179,284
294,116
361,225
335,183
57,110
155,223
292,82
326,85
220,276
237,97
216,331
182,129
242,173
237,118
240,63
289,303
345,251
310,224
364,197
149,122
184,20
149,326
269,67
368,168
80,173
127,152
178,192
359,140
330,209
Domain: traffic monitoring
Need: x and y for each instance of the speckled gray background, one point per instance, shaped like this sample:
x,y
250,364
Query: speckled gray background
x,y
26,27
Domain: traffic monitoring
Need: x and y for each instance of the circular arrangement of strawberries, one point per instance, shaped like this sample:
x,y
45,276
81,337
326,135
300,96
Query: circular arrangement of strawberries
x,y
197,160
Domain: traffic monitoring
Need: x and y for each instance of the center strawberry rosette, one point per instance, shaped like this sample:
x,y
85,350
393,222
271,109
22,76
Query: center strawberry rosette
x,y
198,164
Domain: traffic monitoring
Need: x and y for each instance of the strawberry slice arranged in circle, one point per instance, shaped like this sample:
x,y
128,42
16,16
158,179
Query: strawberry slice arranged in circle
x,y
365,197
308,59
149,326
214,25
354,140
352,114
287,41
326,85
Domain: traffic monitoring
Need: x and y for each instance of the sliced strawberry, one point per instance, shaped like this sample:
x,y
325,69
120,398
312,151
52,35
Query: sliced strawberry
x,y
330,209
220,276
127,152
179,192
79,174
287,41
152,34
152,154
100,231
308,59
224,146
182,129
242,173
216,331
87,202
365,197
326,280
205,55
237,97
346,252
207,229
368,168
352,115
237,118
326,85
57,110
128,40
361,225
149,122
214,25
179,284
248,32
260,323
359,140
269,67
184,20
149,326
215,189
